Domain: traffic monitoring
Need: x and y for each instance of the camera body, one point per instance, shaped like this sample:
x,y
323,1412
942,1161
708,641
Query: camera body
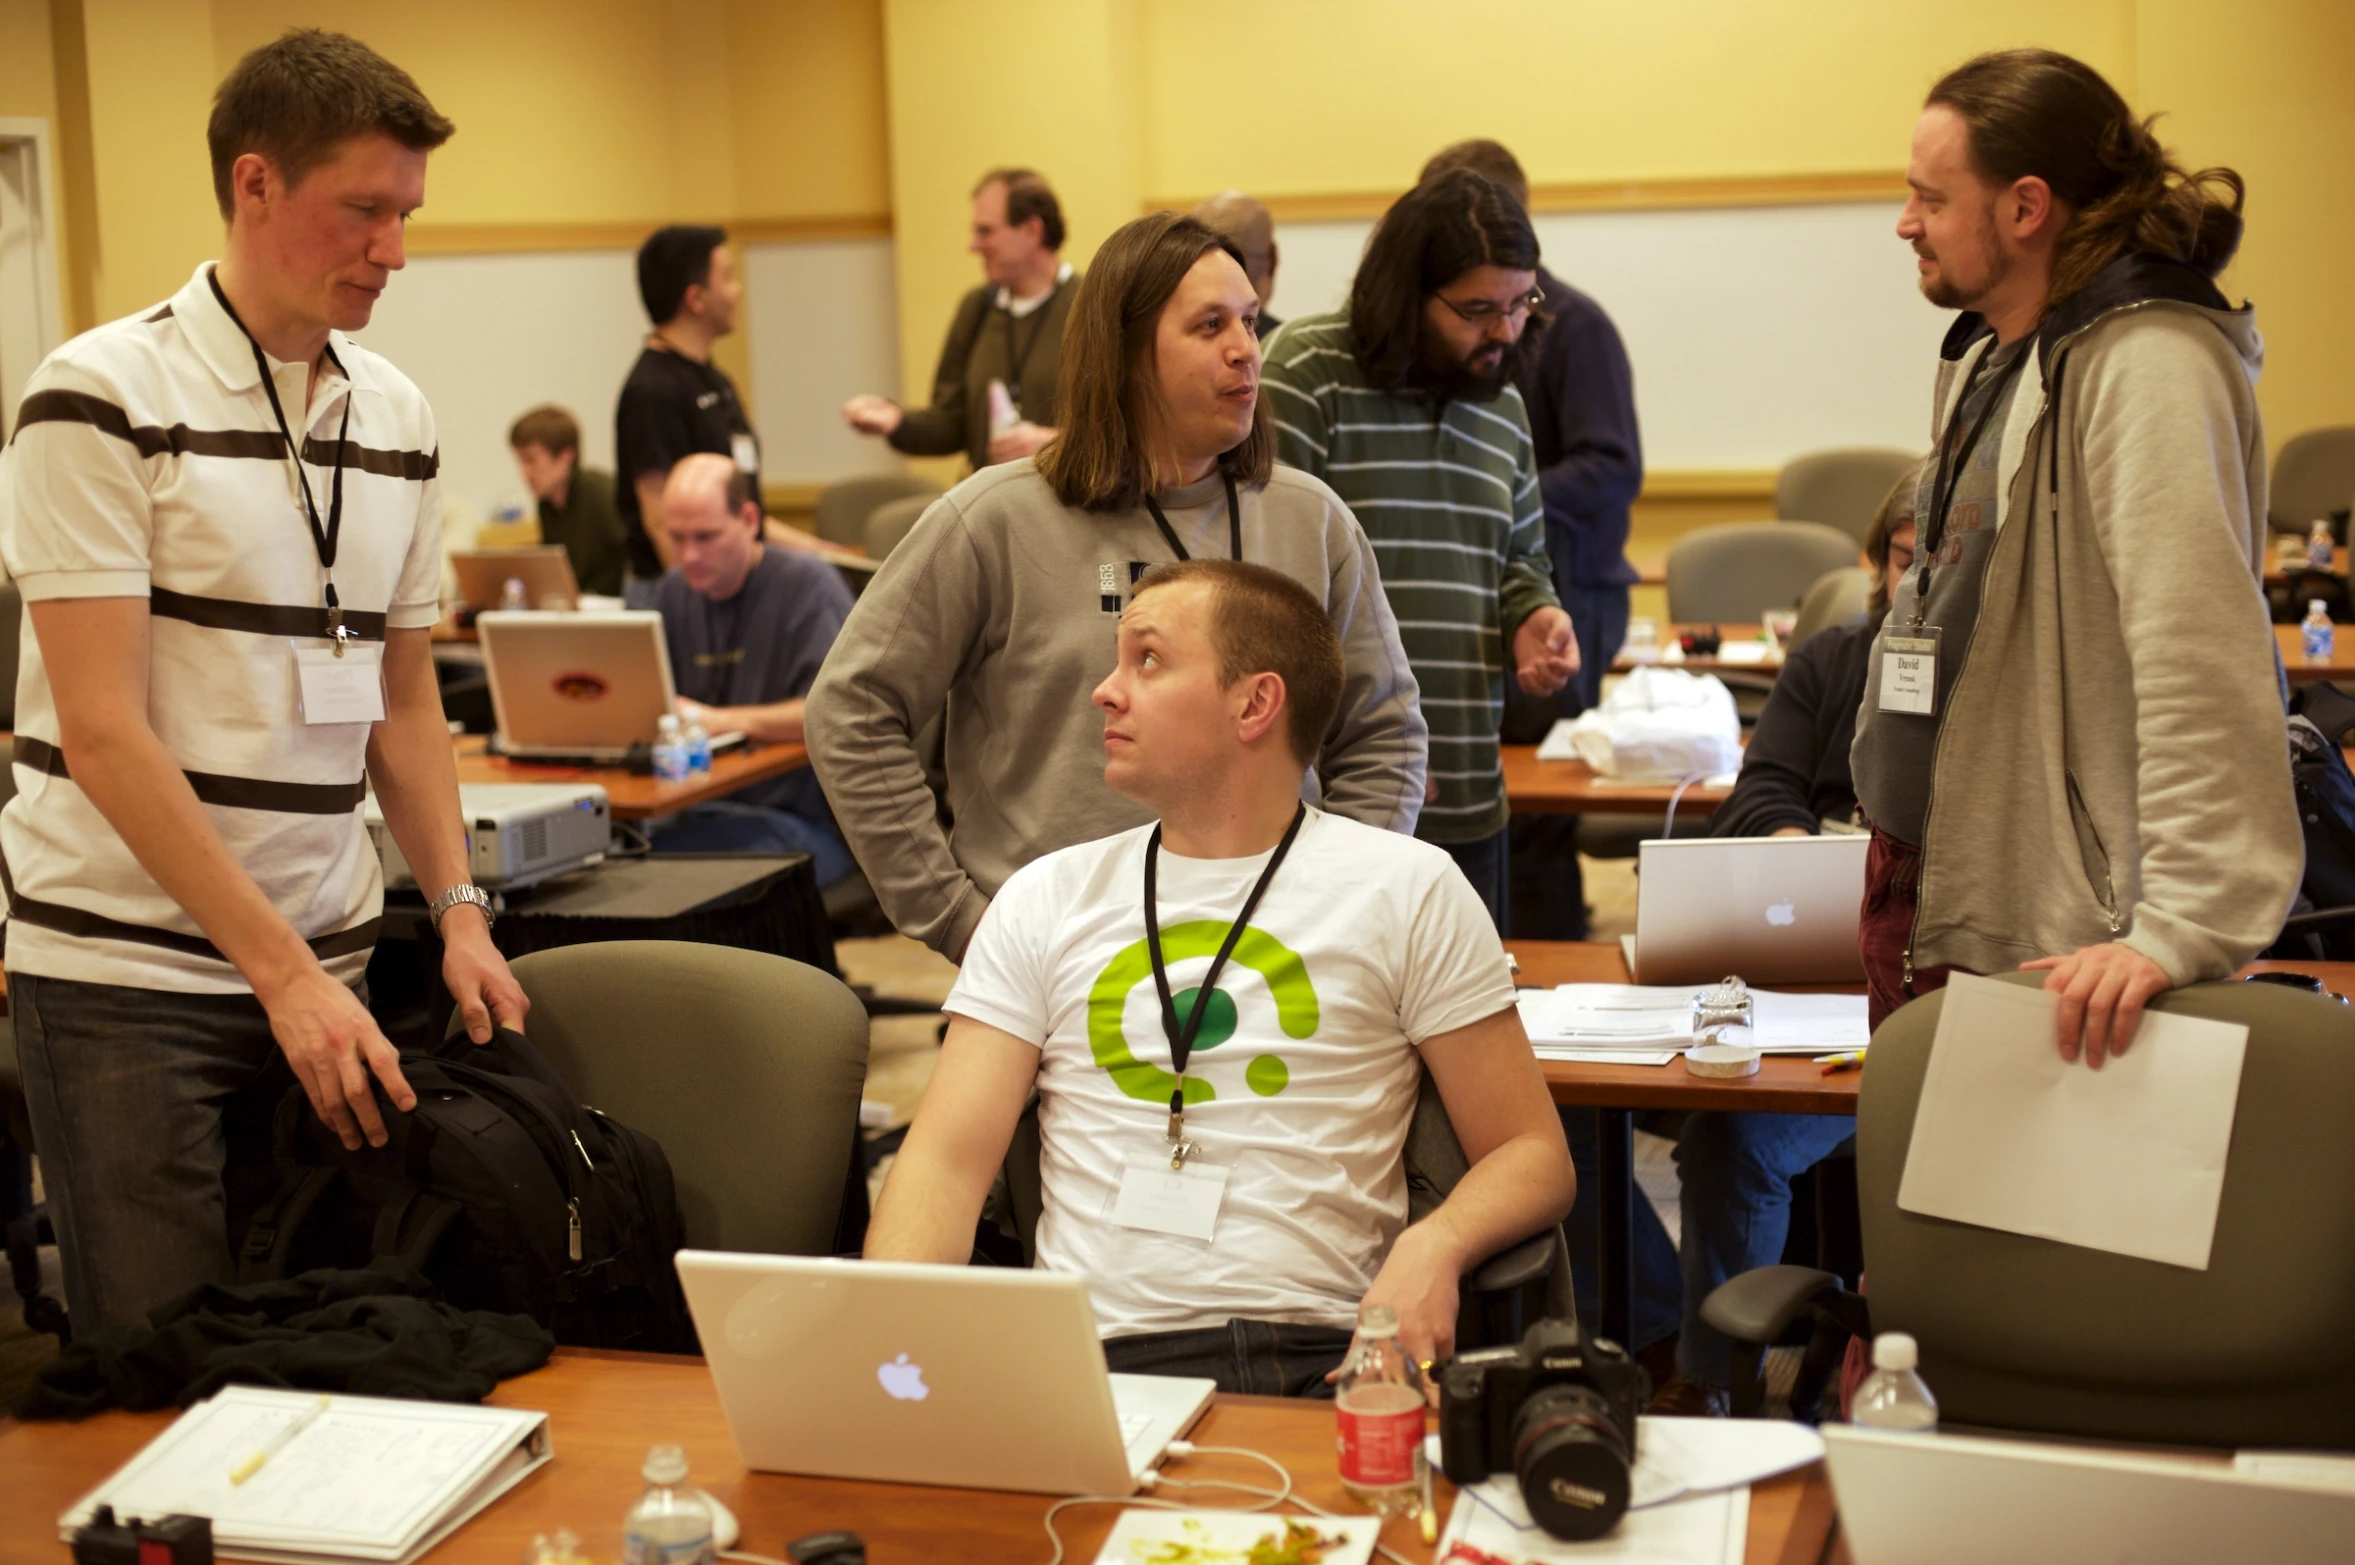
x,y
1558,1410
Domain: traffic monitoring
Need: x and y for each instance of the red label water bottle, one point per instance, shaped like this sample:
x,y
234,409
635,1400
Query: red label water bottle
x,y
1379,1408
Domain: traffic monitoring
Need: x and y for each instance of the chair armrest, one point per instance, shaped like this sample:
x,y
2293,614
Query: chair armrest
x,y
1756,1306
1515,1266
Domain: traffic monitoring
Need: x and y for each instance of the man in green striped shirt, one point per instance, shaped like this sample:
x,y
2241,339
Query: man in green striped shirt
x,y
1404,404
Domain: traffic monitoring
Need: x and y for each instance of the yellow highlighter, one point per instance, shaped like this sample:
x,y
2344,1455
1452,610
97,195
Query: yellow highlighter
x,y
277,1443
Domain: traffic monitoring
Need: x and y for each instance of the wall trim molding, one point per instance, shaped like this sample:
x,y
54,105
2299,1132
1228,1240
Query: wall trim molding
x,y
1607,195
430,238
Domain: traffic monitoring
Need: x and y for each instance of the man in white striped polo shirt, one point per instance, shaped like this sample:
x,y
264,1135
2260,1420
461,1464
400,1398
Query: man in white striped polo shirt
x,y
1404,403
225,644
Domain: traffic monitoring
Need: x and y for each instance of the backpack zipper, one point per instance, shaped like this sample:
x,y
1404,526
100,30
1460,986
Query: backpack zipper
x,y
572,1220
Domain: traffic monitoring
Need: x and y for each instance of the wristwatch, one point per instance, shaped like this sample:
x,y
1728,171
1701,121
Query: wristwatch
x,y
462,893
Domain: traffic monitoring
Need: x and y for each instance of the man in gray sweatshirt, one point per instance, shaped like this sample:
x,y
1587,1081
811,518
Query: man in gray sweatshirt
x,y
2071,746
1000,610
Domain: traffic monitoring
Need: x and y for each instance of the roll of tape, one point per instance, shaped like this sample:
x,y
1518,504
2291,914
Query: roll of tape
x,y
1720,1059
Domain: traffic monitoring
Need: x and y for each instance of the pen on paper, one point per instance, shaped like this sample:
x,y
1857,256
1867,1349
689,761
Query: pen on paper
x,y
1833,1064
277,1443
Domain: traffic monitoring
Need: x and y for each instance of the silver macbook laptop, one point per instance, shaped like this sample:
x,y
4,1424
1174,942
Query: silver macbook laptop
x,y
588,685
969,1377
1940,1499
544,569
1777,910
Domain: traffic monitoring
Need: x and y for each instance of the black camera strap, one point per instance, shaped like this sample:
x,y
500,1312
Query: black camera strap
x,y
1181,1037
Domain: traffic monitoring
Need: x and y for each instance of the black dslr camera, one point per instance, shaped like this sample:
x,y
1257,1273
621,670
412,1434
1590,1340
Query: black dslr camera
x,y
1559,1410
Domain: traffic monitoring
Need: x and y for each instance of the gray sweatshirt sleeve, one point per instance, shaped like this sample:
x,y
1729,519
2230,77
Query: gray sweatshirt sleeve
x,y
2221,848
907,639
1378,749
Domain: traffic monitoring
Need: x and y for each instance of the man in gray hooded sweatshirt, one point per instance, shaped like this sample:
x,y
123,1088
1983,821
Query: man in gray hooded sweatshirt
x,y
2071,746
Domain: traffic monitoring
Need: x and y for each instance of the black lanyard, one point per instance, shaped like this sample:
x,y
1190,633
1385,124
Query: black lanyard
x,y
1951,464
1234,522
1018,361
324,538
1181,1038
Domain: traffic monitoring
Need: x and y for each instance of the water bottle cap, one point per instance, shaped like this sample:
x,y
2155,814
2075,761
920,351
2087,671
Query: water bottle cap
x,y
2317,606
1895,1350
665,1464
668,723
1377,1320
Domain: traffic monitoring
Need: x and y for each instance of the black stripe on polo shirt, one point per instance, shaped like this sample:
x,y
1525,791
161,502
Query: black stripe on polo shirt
x,y
236,793
82,924
163,313
80,407
260,619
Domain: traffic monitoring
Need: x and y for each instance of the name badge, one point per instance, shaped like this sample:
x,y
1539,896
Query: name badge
x,y
746,451
347,689
1164,1200
1909,670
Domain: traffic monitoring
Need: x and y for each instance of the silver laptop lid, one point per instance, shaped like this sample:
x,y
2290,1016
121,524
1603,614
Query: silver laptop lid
x,y
544,569
1776,910
588,683
970,1377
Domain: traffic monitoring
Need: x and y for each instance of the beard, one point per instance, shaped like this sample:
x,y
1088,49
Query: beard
x,y
1942,291
1458,380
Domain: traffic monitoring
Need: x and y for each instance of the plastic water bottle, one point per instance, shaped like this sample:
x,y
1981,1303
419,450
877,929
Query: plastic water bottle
x,y
2317,634
1893,1396
1380,1404
512,595
671,1524
2319,553
670,751
698,747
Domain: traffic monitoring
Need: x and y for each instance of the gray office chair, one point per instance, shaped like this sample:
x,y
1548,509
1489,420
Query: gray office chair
x,y
1842,489
894,520
2047,1338
746,1067
1837,598
2314,481
843,508
1502,1297
1736,571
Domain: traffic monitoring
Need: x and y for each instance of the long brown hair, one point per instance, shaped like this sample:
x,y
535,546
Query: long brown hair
x,y
2035,112
1108,398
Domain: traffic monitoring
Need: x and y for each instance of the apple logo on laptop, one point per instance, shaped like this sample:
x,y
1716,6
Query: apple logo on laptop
x,y
903,1380
1782,914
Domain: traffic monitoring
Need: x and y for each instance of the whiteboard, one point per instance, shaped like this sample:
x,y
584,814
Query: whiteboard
x,y
1755,333
487,336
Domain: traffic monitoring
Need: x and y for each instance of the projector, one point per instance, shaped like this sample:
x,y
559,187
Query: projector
x,y
517,834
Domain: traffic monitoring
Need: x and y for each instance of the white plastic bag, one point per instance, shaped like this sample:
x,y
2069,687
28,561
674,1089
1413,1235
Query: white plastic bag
x,y
1656,725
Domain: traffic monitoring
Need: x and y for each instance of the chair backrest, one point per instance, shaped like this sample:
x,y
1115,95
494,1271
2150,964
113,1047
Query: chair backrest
x,y
1842,489
747,1068
843,508
1837,598
2313,478
2034,1335
894,520
1736,571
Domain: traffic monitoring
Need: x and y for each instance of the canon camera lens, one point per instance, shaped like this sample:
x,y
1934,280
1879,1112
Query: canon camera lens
x,y
1572,1462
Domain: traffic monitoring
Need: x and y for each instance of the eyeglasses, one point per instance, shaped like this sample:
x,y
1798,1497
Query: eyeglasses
x,y
1481,311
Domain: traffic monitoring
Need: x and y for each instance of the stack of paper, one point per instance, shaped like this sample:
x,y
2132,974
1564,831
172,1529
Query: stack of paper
x,y
1636,1024
365,1478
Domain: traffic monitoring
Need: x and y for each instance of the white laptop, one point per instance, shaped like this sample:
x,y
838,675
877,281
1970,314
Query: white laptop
x,y
583,686
544,569
1944,1499
964,1376
1777,910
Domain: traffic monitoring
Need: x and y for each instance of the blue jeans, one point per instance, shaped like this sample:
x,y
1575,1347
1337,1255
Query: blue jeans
x,y
1657,1307
1737,1171
1246,1357
1483,864
151,1116
725,826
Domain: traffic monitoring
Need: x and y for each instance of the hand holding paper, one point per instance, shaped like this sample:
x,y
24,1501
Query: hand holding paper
x,y
2103,990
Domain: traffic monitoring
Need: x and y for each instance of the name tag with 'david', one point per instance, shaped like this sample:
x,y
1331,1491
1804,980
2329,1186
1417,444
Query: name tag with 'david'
x,y
1909,670
1160,1199
347,689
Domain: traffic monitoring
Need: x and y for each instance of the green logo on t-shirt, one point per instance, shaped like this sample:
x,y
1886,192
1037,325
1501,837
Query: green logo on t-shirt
x,y
1264,954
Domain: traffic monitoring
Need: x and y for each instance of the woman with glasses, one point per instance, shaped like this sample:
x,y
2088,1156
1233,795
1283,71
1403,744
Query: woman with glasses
x,y
1405,404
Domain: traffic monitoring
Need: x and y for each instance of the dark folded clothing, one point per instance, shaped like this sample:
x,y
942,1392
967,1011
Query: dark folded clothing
x,y
370,1333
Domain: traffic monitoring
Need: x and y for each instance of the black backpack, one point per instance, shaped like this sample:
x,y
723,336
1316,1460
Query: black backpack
x,y
2321,926
501,1187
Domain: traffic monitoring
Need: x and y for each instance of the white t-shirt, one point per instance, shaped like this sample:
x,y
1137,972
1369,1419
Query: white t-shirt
x,y
1367,943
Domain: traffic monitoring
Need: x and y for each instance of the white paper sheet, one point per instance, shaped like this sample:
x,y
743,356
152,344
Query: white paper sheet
x,y
2313,1469
1702,1529
1680,1456
1611,1016
2129,1158
1576,1056
1808,1023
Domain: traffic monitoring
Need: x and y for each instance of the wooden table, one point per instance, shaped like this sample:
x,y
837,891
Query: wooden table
x,y
2275,576
605,1409
1535,787
637,798
2339,665
1729,632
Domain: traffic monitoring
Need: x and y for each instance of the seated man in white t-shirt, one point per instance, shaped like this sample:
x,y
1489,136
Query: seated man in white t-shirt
x,y
1363,954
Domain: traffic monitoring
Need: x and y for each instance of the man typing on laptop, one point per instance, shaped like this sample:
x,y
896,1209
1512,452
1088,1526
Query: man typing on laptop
x,y
1223,1016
